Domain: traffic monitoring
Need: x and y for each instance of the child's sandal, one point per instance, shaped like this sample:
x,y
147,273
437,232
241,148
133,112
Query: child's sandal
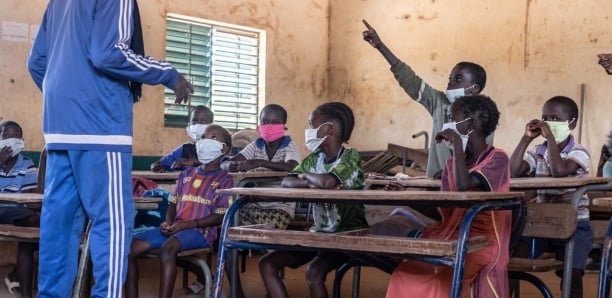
x,y
11,286
194,288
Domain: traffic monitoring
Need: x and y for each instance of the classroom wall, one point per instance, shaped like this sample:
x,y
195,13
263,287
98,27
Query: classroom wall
x,y
296,74
532,50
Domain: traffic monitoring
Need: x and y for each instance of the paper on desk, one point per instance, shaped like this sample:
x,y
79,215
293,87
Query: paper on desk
x,y
398,176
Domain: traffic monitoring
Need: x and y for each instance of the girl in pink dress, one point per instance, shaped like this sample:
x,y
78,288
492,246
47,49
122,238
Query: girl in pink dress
x,y
475,166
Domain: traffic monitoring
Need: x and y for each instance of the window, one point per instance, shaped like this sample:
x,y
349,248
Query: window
x,y
225,65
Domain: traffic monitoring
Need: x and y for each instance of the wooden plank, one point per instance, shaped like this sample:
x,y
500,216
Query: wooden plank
x,y
355,241
418,156
326,195
599,230
158,177
551,182
534,265
257,174
549,220
602,202
413,182
15,233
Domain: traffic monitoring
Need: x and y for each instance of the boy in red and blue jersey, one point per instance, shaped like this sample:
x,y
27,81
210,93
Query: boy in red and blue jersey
x,y
194,212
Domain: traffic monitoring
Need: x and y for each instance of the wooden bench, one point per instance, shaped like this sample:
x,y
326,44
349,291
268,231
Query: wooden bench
x,y
358,241
551,221
19,234
193,257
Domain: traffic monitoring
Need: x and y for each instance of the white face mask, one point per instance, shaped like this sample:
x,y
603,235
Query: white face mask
x,y
453,126
208,150
453,94
15,144
312,141
195,131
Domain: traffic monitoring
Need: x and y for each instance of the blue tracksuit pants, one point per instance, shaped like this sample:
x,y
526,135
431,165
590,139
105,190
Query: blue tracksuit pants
x,y
82,185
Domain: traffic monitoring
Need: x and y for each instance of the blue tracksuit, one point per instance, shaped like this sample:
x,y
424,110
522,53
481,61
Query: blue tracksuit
x,y
82,62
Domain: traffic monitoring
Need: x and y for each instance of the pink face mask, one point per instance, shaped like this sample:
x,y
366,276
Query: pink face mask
x,y
271,132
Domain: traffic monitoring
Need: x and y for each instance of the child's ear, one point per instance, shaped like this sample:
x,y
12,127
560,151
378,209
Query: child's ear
x,y
226,149
476,89
572,123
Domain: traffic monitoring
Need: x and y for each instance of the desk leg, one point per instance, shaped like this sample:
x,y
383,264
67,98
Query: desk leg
x,y
222,254
570,245
77,291
568,267
462,246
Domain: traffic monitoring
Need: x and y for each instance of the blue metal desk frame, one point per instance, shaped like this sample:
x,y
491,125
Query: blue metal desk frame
x,y
456,262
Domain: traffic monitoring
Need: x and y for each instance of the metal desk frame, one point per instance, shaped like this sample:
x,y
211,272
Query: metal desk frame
x,y
457,262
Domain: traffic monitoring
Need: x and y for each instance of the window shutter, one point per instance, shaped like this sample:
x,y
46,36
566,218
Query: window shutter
x,y
222,64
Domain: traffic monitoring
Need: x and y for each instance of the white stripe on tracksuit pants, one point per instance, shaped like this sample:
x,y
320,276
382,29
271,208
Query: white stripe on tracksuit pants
x,y
82,185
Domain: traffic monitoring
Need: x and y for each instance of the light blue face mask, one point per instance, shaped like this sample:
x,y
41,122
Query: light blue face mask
x,y
208,150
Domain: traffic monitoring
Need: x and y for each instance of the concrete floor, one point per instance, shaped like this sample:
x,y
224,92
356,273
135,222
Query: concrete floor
x,y
373,282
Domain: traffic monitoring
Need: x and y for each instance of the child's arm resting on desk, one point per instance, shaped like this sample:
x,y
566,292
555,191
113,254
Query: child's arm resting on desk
x,y
310,180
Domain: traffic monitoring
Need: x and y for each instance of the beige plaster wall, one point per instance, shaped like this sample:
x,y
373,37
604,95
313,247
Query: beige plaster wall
x,y
296,74
532,50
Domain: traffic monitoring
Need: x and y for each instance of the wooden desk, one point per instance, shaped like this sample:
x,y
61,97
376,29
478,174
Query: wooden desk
x,y
35,200
413,182
31,200
243,178
159,178
582,185
475,201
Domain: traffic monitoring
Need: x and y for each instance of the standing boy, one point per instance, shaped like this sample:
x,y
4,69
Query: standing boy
x,y
466,78
82,61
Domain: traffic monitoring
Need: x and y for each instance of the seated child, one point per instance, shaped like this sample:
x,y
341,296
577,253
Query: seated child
x,y
475,166
558,156
17,174
194,212
273,151
466,78
330,166
184,156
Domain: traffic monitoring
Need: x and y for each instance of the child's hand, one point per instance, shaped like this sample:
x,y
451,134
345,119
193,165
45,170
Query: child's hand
x,y
450,136
157,168
5,154
164,227
545,130
371,36
532,129
605,60
182,90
